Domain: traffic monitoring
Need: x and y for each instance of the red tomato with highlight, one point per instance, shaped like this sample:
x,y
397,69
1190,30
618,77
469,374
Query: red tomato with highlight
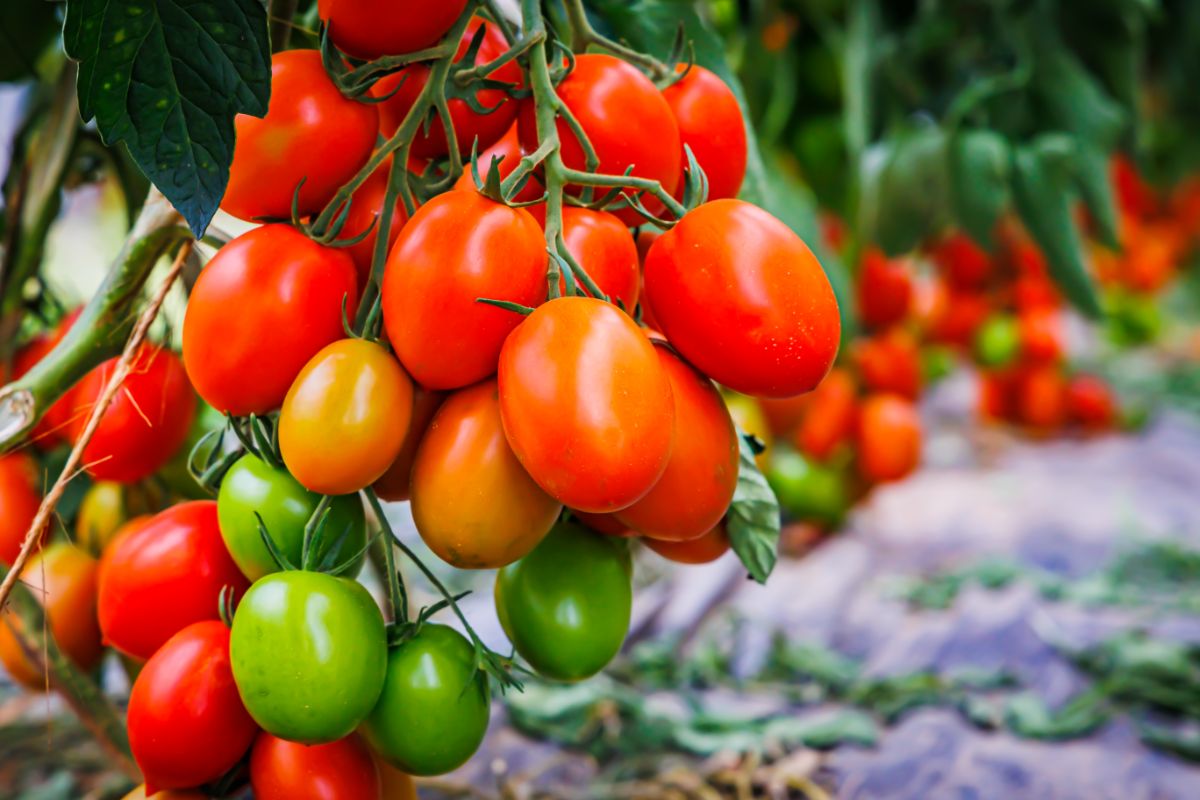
x,y
889,362
366,206
162,575
711,124
704,549
368,29
266,304
19,501
49,429
145,424
889,438
459,247
697,485
187,724
341,770
586,404
964,264
1090,403
603,246
471,128
884,288
311,133
741,297
1041,335
829,419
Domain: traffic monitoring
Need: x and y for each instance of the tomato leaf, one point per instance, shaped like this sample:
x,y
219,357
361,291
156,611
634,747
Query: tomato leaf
x,y
753,522
979,164
167,78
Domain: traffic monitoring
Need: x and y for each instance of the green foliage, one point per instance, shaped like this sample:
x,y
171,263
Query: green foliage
x,y
753,521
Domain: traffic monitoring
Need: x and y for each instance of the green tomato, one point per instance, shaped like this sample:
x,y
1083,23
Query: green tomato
x,y
434,709
1133,319
566,605
998,341
937,362
309,653
808,491
252,486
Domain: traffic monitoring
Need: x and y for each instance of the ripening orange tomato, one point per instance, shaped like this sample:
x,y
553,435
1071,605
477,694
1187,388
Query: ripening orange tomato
x,y
889,362
703,549
472,501
828,421
586,404
1041,397
393,485
889,438
697,485
344,420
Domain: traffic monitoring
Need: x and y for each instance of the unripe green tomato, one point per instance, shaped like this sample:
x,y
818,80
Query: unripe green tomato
x,y
251,486
998,341
309,654
434,708
937,362
566,605
808,491
101,514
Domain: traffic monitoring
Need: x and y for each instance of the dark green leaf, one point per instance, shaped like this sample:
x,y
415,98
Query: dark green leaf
x,y
1092,178
26,29
1069,96
1027,715
167,78
979,181
753,520
905,196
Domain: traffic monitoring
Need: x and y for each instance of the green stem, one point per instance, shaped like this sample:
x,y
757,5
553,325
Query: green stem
x,y
583,34
641,184
280,13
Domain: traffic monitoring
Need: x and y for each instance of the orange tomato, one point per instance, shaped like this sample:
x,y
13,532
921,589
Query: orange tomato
x,y
707,547
889,438
1041,397
828,422
394,484
1041,335
889,362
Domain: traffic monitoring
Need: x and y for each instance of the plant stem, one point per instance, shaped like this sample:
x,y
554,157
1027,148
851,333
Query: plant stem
x,y
583,34
280,13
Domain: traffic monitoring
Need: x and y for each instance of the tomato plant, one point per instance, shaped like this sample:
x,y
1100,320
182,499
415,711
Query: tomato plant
x,y
341,770
377,28
711,124
601,244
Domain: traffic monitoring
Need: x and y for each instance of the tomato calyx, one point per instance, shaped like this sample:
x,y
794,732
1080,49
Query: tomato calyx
x,y
315,556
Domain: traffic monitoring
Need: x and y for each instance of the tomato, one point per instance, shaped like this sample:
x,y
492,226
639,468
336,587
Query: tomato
x,y
101,514
955,316
604,94
459,247
703,549
341,770
434,709
508,149
285,293
744,299
783,414
1090,402
397,785
1041,397
889,362
1152,258
1041,335
998,341
344,420
701,474
828,422
472,502
808,491
336,652
368,29
889,438
366,206
1134,194
63,578
187,725
19,502
140,794
566,605
749,417
147,421
253,489
311,133
586,404
471,128
608,524
603,246
158,577
48,431
711,124
884,289
995,399
394,484
964,264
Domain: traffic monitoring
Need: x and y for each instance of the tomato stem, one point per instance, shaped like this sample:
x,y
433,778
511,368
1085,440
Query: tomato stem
x,y
583,35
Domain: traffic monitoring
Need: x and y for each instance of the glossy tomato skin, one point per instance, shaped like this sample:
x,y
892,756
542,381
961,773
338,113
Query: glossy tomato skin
x,y
333,635
63,578
434,709
741,297
311,133
828,421
19,501
470,126
885,288
701,474
711,124
889,438
566,605
146,422
472,501
460,246
253,489
266,304
366,208
369,29
586,405
344,420
341,770
187,724
601,244
704,549
160,576
605,93
394,485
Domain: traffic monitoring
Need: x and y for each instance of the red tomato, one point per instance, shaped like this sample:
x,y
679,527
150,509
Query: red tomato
x,y
1134,195
49,429
63,578
889,438
311,133
884,289
705,548
341,770
266,303
1041,397
459,247
964,264
697,485
1041,335
187,724
744,299
889,362
828,422
508,149
954,316
783,414
645,238
366,205
711,124
605,94
604,247
996,395
607,524
146,422
368,29
394,484
1090,402
1152,257
161,576
19,501
471,128
586,404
